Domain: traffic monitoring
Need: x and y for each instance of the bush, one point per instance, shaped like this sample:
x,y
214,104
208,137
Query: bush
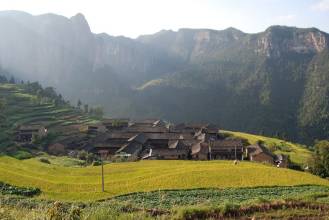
x,y
22,155
97,163
82,155
21,191
44,160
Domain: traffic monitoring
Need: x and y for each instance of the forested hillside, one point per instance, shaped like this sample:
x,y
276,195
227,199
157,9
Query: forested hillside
x,y
274,82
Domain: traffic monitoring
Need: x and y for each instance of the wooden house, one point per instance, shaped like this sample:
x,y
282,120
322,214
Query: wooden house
x,y
27,132
110,142
231,149
134,145
260,154
175,150
200,151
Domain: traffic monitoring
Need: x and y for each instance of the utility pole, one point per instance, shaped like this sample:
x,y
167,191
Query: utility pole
x,y
101,154
102,175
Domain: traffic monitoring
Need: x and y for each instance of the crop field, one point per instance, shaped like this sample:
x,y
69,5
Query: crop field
x,y
298,154
84,183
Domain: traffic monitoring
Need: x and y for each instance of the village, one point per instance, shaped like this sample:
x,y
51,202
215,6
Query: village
x,y
152,139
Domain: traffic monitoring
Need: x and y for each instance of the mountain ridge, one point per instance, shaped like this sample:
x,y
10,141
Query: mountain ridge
x,y
262,82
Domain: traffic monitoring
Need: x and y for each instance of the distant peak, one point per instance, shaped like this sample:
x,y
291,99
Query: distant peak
x,y
232,29
80,20
79,16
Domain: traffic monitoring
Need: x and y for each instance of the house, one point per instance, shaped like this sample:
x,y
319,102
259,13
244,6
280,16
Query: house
x,y
260,154
229,149
27,132
199,151
196,129
116,123
134,145
110,142
175,150
187,128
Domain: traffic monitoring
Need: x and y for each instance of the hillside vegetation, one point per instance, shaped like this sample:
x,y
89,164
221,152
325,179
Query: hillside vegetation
x,y
30,103
298,154
84,184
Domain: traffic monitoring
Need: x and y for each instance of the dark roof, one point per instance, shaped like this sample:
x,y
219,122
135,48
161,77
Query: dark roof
x,y
148,122
176,144
146,129
258,149
108,136
169,136
140,138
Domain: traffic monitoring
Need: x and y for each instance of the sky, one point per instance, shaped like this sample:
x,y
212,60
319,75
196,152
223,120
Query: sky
x,y
132,18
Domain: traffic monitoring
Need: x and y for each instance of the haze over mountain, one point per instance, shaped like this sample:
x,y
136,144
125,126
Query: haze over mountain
x,y
274,82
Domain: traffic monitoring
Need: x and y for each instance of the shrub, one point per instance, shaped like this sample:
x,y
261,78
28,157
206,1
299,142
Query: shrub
x,y
82,155
97,163
21,191
22,155
44,160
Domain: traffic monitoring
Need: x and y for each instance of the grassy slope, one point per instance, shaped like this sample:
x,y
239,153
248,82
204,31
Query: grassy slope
x,y
71,183
22,107
298,154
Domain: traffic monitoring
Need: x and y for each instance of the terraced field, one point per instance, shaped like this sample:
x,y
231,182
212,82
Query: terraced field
x,y
84,184
23,108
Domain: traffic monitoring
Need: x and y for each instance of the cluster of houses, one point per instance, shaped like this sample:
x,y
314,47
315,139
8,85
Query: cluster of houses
x,y
155,139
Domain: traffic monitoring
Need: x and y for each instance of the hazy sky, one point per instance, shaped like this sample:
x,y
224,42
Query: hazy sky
x,y
135,17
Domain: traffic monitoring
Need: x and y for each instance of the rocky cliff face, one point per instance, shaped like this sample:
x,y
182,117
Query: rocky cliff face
x,y
254,82
277,40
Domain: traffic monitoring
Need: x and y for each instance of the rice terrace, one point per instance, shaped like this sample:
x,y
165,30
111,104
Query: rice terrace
x,y
83,184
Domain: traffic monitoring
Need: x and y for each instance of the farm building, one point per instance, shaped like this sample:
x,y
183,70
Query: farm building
x,y
27,132
200,151
260,154
226,149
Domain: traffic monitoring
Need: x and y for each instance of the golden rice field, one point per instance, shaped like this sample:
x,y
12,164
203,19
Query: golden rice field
x,y
84,184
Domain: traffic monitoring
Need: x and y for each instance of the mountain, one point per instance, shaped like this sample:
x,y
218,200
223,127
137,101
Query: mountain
x,y
273,82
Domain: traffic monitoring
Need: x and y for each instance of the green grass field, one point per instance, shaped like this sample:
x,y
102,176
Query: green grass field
x,y
84,184
298,154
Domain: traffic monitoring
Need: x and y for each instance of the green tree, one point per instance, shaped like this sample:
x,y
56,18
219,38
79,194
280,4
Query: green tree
x,y
321,158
